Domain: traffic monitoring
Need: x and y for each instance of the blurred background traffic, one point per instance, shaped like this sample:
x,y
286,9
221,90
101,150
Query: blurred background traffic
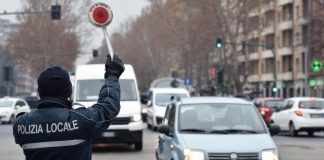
x,y
267,52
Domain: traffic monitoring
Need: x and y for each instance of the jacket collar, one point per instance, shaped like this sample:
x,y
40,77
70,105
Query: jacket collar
x,y
49,102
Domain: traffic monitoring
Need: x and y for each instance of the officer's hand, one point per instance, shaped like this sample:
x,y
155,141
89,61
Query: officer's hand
x,y
116,66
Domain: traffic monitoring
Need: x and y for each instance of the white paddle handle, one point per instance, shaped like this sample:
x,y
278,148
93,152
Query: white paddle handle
x,y
110,49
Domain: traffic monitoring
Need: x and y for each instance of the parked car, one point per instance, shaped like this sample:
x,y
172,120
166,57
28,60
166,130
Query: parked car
x,y
11,107
159,99
204,128
267,106
300,114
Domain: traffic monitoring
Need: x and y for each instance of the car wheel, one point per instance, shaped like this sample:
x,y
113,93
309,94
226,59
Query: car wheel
x,y
292,130
310,133
12,119
138,146
154,128
149,126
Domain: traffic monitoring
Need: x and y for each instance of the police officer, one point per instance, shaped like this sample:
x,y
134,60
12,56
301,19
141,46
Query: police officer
x,y
55,131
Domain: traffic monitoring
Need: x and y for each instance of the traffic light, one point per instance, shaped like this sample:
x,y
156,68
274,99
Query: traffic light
x,y
220,76
95,53
213,72
174,74
274,89
56,12
219,43
317,65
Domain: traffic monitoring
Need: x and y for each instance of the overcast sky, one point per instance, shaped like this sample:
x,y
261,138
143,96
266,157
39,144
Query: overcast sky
x,y
122,9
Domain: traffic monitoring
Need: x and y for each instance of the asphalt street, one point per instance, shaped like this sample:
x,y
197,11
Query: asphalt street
x,y
291,148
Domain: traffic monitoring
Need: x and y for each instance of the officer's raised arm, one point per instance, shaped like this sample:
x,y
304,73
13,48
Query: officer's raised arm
x,y
108,104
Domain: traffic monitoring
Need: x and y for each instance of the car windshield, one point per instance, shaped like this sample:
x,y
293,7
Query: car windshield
x,y
6,103
220,118
272,103
88,90
162,99
311,104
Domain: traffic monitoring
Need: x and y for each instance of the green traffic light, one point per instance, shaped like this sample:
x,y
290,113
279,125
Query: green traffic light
x,y
317,65
275,89
312,83
219,43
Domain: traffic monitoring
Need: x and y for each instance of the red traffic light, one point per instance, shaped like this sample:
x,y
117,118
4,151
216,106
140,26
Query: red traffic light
x,y
213,72
100,14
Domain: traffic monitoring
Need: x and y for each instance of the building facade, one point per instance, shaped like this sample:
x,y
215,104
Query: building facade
x,y
286,30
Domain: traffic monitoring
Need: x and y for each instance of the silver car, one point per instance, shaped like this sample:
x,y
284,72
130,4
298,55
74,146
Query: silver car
x,y
205,128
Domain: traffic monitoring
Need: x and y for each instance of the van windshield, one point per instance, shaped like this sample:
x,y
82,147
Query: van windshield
x,y
88,90
162,99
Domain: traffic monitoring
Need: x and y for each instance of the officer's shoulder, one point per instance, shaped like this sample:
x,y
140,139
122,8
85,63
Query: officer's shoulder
x,y
20,114
19,117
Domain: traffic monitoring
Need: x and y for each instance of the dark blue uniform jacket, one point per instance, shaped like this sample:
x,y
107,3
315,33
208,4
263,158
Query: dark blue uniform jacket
x,y
53,132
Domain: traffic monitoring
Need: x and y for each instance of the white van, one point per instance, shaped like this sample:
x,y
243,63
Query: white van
x,y
128,126
159,98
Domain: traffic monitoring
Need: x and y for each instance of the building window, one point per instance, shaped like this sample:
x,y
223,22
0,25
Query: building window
x,y
287,12
269,65
254,67
269,40
305,8
287,38
305,33
252,49
287,63
269,18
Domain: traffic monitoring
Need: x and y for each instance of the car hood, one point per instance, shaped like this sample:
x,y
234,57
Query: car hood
x,y
215,143
127,108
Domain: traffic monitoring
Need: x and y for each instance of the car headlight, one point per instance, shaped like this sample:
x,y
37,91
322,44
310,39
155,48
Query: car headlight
x,y
136,117
5,113
270,154
144,110
193,154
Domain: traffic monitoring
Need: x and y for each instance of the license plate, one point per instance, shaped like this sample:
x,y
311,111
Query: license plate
x,y
317,115
108,134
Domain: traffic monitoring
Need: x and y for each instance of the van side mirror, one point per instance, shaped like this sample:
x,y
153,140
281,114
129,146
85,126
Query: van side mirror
x,y
274,129
164,129
144,99
257,104
277,109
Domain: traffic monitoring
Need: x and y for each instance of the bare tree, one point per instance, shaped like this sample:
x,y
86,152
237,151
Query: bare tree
x,y
41,41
